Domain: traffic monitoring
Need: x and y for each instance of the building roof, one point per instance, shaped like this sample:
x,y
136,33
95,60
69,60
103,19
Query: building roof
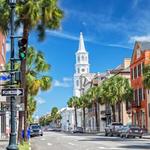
x,y
81,44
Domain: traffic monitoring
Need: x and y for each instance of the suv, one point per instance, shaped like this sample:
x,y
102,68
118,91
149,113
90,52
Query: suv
x,y
113,129
35,130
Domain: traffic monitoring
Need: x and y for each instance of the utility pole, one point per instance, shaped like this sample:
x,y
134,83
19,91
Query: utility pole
x,y
12,140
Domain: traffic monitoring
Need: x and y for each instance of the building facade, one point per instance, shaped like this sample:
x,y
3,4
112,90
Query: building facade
x,y
4,114
141,101
68,118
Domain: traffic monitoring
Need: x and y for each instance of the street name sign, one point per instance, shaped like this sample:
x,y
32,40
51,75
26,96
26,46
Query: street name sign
x,y
13,92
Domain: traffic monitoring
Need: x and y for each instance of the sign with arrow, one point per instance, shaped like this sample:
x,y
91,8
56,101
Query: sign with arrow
x,y
12,92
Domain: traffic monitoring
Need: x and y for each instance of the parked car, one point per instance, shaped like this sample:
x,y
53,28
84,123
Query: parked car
x,y
35,130
131,131
78,130
113,129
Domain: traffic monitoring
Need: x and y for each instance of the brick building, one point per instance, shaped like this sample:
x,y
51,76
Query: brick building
x,y
140,57
4,121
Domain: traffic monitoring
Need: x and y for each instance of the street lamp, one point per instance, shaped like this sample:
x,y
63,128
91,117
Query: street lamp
x,y
12,140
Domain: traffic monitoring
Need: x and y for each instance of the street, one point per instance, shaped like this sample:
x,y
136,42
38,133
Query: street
x,y
63,141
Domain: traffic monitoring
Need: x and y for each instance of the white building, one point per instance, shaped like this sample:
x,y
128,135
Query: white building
x,y
81,67
68,119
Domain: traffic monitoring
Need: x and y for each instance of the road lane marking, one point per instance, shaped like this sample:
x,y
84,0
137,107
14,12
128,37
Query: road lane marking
x,y
71,143
49,144
101,147
43,139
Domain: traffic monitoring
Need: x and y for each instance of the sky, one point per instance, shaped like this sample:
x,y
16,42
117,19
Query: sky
x,y
110,29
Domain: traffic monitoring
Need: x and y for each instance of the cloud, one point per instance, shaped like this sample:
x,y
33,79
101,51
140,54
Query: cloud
x,y
66,35
40,100
7,47
65,83
62,35
139,38
119,46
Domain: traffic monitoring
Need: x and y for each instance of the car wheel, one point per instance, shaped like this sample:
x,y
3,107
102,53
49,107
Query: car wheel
x,y
41,134
121,136
140,137
106,134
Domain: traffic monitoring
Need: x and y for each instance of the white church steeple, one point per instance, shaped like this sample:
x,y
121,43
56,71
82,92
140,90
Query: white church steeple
x,y
81,66
81,43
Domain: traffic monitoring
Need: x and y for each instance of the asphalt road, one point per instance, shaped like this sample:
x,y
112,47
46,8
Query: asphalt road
x,y
62,141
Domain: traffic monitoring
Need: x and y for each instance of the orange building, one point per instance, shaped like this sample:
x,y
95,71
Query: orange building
x,y
140,110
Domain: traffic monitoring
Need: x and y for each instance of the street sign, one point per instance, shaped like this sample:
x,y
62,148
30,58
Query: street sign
x,y
12,92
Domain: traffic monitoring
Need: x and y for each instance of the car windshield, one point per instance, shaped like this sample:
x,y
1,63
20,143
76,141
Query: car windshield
x,y
118,124
35,127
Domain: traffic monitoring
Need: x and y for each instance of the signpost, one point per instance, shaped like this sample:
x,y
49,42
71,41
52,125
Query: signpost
x,y
12,92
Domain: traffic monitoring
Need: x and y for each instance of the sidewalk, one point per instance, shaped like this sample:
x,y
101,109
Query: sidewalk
x,y
146,136
3,144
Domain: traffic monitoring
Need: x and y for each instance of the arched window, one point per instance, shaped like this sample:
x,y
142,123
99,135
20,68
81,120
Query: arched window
x,y
78,70
83,70
86,58
78,58
82,58
77,83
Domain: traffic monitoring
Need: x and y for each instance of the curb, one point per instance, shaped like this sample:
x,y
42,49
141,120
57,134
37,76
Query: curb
x,y
29,145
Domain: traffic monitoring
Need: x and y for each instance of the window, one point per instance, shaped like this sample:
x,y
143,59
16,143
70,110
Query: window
x,y
132,74
143,93
78,70
83,70
77,83
149,109
82,58
142,66
3,50
139,70
78,58
135,73
140,95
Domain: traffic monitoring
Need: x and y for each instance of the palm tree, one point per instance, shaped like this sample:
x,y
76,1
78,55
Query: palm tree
x,y
108,95
94,96
121,89
74,102
35,79
39,15
31,108
146,76
84,103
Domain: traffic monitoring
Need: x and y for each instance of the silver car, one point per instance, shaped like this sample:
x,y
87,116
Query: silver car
x,y
113,129
131,131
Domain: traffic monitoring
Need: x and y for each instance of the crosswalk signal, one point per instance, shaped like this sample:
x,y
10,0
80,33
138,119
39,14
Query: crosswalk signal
x,y
22,44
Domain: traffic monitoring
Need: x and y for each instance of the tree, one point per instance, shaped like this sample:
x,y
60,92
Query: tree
x,y
93,94
121,89
36,80
84,103
73,102
39,15
116,90
31,108
56,116
146,76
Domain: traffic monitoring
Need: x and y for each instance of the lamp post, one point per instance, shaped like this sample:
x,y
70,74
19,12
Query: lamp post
x,y
12,140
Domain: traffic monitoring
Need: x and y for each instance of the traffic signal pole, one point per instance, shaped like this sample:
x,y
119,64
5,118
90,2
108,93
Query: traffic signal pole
x,y
12,140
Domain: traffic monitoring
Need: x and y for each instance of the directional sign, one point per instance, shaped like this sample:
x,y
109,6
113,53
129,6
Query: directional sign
x,y
12,92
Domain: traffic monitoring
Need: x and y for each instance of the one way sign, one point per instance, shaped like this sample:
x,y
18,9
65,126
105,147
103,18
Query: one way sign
x,y
13,92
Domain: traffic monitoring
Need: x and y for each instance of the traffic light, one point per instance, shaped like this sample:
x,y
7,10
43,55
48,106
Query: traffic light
x,y
22,44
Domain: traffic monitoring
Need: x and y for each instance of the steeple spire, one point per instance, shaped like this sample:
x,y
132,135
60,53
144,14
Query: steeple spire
x,y
81,43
